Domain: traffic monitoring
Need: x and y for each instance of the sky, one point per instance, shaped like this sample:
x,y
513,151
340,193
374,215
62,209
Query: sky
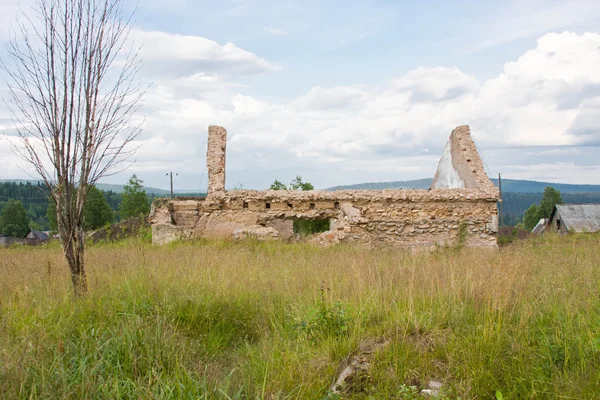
x,y
343,92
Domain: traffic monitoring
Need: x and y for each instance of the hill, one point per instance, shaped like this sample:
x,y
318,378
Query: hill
x,y
518,195
523,186
508,185
102,186
413,184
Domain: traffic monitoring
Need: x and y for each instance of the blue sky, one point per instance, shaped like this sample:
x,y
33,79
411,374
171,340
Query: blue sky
x,y
344,92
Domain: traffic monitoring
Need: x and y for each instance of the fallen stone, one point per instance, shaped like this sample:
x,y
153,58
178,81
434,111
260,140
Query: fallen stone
x,y
328,238
433,389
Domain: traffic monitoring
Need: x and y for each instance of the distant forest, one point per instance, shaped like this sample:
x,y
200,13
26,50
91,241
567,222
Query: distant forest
x,y
34,197
515,204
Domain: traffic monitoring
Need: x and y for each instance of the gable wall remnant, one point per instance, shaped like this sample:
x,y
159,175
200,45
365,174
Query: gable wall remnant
x,y
400,218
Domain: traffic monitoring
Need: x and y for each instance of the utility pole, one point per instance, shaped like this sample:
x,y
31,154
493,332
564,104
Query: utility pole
x,y
501,202
171,175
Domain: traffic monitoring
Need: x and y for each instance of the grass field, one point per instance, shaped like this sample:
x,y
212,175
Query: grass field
x,y
268,320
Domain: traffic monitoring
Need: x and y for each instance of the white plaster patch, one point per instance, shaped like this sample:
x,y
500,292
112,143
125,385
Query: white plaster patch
x,y
447,176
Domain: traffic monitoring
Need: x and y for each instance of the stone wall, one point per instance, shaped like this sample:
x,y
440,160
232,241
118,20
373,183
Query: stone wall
x,y
402,218
463,161
215,158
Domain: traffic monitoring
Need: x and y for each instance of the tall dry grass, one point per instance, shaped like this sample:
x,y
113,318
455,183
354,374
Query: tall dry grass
x,y
270,320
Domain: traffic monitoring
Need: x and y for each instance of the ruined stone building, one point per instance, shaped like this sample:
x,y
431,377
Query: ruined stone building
x,y
460,203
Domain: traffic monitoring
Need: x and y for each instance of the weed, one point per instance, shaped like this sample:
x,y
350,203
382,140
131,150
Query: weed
x,y
463,234
227,320
326,320
406,392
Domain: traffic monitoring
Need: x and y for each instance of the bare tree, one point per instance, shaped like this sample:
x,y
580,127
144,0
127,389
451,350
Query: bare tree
x,y
71,71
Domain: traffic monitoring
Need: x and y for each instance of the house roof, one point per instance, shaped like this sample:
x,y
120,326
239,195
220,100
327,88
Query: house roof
x,y
39,235
579,217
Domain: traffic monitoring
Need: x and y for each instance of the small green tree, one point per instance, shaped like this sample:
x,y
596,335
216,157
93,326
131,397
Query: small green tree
x,y
550,199
536,212
96,210
530,218
14,220
135,200
297,184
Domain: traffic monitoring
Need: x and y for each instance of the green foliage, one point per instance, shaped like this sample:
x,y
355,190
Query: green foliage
x,y
463,234
326,320
530,218
298,184
409,392
509,234
305,227
515,204
51,215
135,200
40,207
277,185
33,196
96,210
34,225
550,198
301,226
178,322
14,220
534,213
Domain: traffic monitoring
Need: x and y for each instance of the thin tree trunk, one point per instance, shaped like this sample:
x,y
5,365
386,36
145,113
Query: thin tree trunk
x,y
72,241
74,92
74,253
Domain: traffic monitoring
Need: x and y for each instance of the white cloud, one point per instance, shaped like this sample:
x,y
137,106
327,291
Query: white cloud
x,y
173,56
521,19
562,172
548,97
275,31
8,15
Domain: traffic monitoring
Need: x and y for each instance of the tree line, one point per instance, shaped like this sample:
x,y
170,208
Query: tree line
x,y
25,206
515,204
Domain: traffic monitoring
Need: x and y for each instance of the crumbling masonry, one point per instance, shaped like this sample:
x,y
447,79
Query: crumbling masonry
x,y
460,204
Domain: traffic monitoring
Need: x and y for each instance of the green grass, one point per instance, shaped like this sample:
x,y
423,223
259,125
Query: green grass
x,y
276,321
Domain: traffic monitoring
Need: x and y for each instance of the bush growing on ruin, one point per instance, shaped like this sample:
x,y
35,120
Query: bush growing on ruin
x,y
302,227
